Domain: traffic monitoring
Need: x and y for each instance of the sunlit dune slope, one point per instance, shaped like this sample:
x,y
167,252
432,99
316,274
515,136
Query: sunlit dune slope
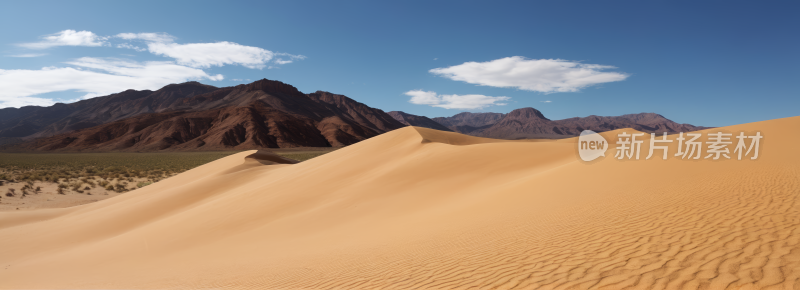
x,y
419,208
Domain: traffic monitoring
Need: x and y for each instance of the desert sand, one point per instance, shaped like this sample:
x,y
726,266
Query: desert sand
x,y
425,209
48,196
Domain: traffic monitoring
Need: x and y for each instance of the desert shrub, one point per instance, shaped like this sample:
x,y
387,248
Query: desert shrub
x,y
38,189
61,191
87,188
109,187
62,185
143,184
72,166
103,183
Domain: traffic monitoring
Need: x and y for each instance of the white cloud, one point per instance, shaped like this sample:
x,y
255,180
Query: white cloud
x,y
97,77
430,98
93,76
285,58
205,55
147,36
25,101
421,97
539,75
546,101
28,55
130,46
67,38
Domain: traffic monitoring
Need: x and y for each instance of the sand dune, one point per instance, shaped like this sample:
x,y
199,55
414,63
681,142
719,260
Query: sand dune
x,y
419,208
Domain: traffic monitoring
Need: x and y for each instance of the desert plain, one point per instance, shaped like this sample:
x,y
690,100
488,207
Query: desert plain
x,y
417,208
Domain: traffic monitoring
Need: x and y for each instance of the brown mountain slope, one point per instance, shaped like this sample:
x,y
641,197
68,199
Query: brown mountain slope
x,y
524,123
34,121
419,121
257,115
470,123
370,117
530,123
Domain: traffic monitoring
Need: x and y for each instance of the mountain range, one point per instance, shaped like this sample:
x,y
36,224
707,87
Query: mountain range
x,y
264,114
529,123
192,116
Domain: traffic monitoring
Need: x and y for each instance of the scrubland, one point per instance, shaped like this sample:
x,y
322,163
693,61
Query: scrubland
x,y
36,180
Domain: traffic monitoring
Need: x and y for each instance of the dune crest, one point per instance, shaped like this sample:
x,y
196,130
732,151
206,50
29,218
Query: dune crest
x,y
451,138
419,208
267,157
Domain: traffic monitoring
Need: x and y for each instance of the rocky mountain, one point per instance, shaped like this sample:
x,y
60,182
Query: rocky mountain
x,y
262,114
524,123
470,123
419,121
530,123
527,123
35,121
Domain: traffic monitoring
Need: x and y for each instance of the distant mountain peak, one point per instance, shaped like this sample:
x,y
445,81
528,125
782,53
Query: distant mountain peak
x,y
526,113
419,121
531,123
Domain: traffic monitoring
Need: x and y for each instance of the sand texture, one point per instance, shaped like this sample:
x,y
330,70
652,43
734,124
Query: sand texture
x,y
416,208
48,196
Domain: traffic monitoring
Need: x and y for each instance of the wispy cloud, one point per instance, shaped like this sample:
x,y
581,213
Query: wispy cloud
x,y
206,55
433,99
546,101
147,36
102,76
130,46
94,77
538,75
67,38
28,55
285,58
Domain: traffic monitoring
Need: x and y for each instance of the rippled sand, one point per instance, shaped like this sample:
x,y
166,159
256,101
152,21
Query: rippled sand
x,y
424,209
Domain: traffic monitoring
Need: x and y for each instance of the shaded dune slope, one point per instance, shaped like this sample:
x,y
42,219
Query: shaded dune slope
x,y
419,208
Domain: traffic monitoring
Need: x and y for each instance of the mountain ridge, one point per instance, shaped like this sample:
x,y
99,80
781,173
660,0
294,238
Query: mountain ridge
x,y
35,121
262,114
419,121
527,123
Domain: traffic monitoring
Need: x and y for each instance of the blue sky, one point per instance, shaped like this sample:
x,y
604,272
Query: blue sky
x,y
713,64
